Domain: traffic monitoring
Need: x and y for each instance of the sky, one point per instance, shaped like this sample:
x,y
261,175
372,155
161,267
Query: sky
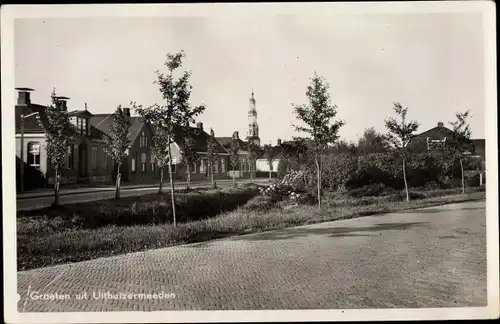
x,y
431,63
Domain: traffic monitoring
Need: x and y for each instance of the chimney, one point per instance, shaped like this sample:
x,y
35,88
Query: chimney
x,y
126,111
236,135
279,141
24,96
62,101
440,124
199,125
212,133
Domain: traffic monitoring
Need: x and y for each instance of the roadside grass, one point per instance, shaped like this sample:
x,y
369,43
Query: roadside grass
x,y
46,243
191,205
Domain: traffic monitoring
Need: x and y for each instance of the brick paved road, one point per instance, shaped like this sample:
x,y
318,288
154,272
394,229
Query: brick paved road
x,y
425,258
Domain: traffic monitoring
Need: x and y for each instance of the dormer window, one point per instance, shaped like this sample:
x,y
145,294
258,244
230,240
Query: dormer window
x,y
82,125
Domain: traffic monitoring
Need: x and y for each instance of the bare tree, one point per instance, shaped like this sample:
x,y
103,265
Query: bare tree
x,y
318,116
188,148
269,155
176,112
212,155
234,157
400,133
118,143
59,133
461,139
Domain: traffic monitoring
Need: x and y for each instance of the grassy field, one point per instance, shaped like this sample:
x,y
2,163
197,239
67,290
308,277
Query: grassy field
x,y
86,231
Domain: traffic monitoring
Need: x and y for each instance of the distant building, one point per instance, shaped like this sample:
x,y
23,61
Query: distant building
x,y
253,127
87,160
83,152
440,136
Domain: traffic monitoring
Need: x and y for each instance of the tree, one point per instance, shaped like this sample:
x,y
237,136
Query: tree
x,y
269,156
252,157
118,143
59,133
212,155
301,148
318,116
160,150
176,112
372,142
188,149
400,133
234,156
461,139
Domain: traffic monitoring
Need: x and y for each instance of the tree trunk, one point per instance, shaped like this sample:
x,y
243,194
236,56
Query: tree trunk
x,y
463,178
56,187
318,173
172,189
270,175
234,177
118,179
406,182
160,189
188,182
212,175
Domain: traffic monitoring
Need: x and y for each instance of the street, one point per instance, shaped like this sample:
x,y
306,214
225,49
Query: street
x,y
107,193
433,257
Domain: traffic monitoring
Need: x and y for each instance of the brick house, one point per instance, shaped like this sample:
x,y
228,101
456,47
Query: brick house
x,y
442,136
83,153
201,170
139,165
243,169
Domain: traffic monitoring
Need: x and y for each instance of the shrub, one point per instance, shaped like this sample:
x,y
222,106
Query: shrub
x,y
259,204
291,187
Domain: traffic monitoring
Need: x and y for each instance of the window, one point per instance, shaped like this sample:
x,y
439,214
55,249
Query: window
x,y
153,162
34,154
202,166
104,159
78,125
70,162
143,162
216,166
73,121
193,167
94,157
84,126
243,164
173,168
143,140
133,165
222,165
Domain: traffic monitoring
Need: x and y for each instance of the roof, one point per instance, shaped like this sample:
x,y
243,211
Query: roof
x,y
83,113
201,138
226,143
31,124
102,123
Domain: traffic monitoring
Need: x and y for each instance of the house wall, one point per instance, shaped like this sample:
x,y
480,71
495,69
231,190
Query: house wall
x,y
28,138
263,165
202,172
149,173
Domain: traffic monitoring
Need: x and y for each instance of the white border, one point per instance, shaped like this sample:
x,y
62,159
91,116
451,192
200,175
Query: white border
x,y
10,12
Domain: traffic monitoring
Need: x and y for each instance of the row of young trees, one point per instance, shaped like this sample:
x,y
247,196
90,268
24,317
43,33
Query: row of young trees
x,y
319,123
175,113
318,119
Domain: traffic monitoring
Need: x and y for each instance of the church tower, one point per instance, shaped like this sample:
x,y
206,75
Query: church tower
x,y
253,127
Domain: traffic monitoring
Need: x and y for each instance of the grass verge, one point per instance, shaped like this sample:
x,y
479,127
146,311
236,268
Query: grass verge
x,y
42,246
